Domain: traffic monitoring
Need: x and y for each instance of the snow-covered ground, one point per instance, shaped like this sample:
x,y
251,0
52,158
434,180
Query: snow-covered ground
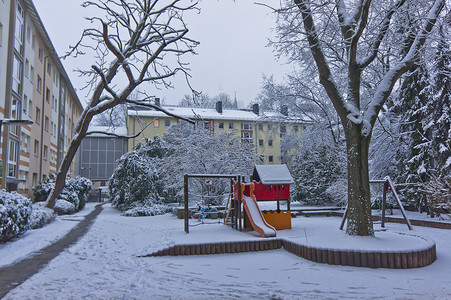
x,y
104,264
37,239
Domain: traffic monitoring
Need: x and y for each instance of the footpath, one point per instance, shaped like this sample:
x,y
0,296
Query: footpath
x,y
14,275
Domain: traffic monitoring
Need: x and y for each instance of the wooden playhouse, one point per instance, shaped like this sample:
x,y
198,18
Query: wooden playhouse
x,y
272,183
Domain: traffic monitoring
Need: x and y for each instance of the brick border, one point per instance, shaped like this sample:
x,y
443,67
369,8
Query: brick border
x,y
344,257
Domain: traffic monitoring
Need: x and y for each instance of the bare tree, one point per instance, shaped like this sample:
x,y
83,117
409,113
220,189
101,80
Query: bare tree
x,y
137,43
351,44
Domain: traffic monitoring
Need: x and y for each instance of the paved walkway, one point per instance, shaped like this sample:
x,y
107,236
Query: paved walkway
x,y
14,275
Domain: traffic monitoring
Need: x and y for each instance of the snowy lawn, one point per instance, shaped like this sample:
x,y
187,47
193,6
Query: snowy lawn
x,y
104,265
34,240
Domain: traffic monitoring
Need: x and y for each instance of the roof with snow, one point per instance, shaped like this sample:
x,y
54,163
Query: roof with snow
x,y
121,131
272,174
213,114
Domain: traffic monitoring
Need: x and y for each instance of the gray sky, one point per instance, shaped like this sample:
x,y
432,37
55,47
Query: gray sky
x,y
232,55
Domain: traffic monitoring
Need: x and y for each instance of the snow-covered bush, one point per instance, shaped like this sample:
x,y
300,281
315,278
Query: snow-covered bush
x,y
63,207
133,181
142,211
15,211
76,191
43,189
41,215
438,190
82,187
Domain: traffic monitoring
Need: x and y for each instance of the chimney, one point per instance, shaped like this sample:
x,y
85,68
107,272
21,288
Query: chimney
x,y
255,109
157,101
284,110
219,107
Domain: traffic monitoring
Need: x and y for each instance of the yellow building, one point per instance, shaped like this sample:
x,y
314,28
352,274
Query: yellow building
x,y
262,130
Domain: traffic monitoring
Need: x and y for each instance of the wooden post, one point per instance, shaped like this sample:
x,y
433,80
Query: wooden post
x,y
345,214
392,186
384,204
239,211
237,202
185,187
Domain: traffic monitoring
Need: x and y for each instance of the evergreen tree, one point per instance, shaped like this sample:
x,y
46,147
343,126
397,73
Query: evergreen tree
x,y
411,106
437,123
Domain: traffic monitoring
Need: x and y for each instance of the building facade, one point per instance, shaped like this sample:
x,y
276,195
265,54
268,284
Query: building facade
x,y
261,130
99,152
33,86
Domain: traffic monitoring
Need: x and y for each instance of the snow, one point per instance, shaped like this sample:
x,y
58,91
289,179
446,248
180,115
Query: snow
x,y
212,114
104,264
274,174
37,239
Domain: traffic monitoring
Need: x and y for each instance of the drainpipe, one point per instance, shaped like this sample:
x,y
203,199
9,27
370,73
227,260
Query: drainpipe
x,y
43,116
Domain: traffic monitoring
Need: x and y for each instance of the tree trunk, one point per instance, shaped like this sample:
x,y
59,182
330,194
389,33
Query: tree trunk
x,y
60,180
359,198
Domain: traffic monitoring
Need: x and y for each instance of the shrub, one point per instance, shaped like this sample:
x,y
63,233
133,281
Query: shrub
x,y
142,211
15,211
133,182
76,191
41,215
63,207
43,190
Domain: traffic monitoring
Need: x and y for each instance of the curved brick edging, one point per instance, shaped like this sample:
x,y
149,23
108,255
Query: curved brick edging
x,y
220,248
377,259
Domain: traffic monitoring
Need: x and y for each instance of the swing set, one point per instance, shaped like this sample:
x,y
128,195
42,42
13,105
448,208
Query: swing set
x,y
388,185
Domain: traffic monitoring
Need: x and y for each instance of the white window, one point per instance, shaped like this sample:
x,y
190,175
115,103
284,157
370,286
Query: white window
x,y
44,154
39,84
246,126
28,33
18,32
31,74
246,137
36,147
1,33
17,75
12,158
27,68
25,104
30,108
15,110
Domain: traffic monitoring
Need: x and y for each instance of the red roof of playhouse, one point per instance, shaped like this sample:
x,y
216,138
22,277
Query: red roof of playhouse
x,y
272,174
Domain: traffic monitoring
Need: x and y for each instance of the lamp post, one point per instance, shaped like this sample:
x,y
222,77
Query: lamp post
x,y
13,122
10,122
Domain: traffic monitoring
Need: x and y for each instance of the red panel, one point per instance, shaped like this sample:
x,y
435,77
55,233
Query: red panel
x,y
271,192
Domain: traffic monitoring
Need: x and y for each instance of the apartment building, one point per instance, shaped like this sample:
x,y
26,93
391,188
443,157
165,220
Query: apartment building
x,y
261,130
33,86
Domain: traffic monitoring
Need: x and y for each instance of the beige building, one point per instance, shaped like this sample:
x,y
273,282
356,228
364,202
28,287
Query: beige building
x,y
261,130
36,88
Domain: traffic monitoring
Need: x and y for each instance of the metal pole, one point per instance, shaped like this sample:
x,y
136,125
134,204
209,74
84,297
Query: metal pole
x,y
185,187
384,204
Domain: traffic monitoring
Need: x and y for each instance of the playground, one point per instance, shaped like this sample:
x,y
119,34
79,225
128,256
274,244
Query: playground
x,y
106,263
259,251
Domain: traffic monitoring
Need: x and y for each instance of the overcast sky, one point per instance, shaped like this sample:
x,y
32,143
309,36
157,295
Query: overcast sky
x,y
232,56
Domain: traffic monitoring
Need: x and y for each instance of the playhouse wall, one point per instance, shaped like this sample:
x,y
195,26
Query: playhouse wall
x,y
279,220
271,192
